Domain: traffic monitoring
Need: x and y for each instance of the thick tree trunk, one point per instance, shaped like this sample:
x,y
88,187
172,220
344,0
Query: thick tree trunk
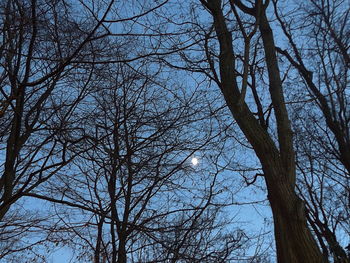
x,y
294,241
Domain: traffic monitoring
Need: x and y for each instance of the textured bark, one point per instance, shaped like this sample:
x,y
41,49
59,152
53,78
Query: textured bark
x,y
294,241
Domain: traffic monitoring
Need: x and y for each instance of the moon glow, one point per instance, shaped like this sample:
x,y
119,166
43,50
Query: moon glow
x,y
194,161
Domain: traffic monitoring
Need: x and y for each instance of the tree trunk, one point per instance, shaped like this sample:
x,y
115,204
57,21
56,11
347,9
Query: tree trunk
x,y
122,251
13,147
294,241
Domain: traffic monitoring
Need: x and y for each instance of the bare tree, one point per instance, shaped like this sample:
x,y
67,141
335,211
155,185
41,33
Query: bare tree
x,y
322,116
40,40
46,48
271,137
112,155
49,54
134,192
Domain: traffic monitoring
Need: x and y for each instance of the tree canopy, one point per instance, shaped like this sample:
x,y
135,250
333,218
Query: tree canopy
x,y
105,105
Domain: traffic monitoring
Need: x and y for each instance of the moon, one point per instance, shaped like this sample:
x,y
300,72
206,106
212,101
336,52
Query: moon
x,y
194,161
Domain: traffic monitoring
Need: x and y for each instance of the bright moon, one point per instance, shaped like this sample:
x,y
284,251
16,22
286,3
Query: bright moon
x,y
194,161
